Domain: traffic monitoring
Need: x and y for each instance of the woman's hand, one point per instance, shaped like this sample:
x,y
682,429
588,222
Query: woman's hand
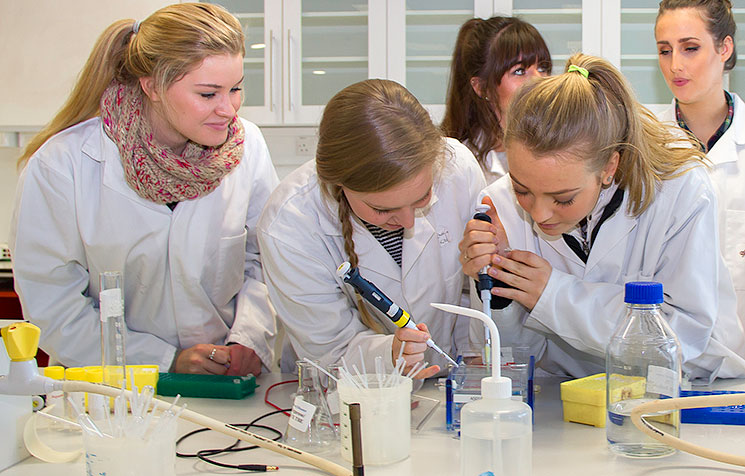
x,y
526,272
203,359
243,361
414,343
482,241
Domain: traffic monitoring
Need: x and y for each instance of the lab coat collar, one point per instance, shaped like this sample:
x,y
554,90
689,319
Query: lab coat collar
x,y
101,148
613,230
725,149
369,250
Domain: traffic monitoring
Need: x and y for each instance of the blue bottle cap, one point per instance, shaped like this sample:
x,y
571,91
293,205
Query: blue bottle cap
x,y
643,292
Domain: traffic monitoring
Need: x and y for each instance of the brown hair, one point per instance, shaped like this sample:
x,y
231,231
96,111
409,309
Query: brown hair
x,y
168,44
487,49
717,15
373,135
593,117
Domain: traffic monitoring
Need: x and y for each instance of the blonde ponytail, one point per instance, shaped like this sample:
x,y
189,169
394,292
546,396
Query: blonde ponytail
x,y
591,118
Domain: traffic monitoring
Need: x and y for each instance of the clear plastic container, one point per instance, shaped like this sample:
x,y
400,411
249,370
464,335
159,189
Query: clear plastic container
x,y
645,348
496,435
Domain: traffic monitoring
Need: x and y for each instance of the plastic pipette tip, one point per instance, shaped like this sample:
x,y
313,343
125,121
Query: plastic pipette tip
x,y
431,343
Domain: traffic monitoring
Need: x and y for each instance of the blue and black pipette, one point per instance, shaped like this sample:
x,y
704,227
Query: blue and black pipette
x,y
377,298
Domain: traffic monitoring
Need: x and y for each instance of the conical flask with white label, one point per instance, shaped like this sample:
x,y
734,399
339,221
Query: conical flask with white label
x,y
310,427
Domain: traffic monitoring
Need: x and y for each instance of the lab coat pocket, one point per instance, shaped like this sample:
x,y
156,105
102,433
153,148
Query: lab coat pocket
x,y
733,249
227,269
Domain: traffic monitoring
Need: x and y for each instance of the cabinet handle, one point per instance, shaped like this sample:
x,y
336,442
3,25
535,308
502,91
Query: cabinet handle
x,y
272,102
291,103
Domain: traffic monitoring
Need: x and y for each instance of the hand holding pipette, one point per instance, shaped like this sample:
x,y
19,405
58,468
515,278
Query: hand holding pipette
x,y
483,238
400,317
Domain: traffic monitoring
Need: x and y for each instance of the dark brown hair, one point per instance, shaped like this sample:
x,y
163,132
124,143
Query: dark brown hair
x,y
487,49
717,15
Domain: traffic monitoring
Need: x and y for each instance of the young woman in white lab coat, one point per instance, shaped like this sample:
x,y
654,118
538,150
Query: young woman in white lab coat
x,y
596,198
381,169
492,58
696,45
147,170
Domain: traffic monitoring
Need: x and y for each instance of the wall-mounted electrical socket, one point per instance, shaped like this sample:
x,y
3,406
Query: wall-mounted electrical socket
x,y
305,145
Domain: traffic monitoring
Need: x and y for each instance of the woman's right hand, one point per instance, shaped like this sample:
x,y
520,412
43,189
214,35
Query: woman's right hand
x,y
414,342
481,241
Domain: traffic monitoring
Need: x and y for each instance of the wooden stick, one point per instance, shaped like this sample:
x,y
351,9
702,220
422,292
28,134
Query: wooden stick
x,y
668,404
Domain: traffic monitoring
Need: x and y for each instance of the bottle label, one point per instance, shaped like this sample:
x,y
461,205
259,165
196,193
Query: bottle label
x,y
302,414
661,380
110,303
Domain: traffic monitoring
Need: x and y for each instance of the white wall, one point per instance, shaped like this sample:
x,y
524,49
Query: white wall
x,y
43,46
8,178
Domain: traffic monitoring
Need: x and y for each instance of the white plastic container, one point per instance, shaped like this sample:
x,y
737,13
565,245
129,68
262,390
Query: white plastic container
x,y
131,455
496,436
496,432
385,420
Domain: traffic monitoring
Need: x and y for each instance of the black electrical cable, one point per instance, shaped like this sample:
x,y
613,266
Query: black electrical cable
x,y
203,454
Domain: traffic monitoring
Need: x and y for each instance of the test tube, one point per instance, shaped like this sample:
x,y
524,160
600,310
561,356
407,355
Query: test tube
x,y
113,328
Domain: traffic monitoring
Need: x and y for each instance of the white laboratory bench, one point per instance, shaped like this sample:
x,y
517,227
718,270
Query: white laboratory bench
x,y
559,448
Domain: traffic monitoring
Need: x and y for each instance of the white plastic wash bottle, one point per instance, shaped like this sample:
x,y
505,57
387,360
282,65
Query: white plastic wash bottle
x,y
496,432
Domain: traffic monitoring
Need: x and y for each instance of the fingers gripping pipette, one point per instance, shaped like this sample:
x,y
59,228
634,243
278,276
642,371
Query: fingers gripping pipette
x,y
377,298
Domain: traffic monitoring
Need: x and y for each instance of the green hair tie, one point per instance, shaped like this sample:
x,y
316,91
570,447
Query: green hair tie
x,y
578,69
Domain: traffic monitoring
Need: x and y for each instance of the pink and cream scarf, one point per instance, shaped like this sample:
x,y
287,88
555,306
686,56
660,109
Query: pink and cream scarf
x,y
153,170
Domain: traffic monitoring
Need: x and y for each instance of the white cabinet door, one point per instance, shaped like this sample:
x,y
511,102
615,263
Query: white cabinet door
x,y
262,85
421,38
328,45
561,23
299,53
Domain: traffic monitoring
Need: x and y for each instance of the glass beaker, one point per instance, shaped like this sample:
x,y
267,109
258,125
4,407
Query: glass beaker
x,y
310,427
332,392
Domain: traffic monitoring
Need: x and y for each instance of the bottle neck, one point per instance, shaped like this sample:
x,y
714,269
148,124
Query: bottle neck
x,y
642,307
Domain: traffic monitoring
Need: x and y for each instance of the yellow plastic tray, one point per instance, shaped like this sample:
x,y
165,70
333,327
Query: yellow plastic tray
x,y
583,399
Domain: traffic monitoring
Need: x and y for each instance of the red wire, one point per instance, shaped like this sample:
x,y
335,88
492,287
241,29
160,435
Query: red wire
x,y
266,394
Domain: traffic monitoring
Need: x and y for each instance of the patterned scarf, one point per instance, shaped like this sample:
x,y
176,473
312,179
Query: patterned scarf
x,y
153,170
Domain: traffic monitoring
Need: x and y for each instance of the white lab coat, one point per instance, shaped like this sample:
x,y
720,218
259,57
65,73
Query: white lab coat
x,y
302,245
673,242
728,175
495,166
190,276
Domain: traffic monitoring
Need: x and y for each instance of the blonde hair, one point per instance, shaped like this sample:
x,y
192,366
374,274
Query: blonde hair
x,y
168,44
593,117
373,135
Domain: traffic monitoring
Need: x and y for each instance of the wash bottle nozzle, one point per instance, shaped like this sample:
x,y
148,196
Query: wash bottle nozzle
x,y
495,386
383,303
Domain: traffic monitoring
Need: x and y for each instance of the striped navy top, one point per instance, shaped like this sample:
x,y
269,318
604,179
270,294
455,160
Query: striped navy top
x,y
392,241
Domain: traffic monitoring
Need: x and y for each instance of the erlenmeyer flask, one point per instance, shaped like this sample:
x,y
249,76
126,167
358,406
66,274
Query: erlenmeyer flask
x,y
310,427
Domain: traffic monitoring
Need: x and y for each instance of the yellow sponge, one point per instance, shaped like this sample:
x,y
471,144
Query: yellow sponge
x,y
584,399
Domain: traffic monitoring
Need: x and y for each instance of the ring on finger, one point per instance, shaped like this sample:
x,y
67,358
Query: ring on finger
x,y
212,354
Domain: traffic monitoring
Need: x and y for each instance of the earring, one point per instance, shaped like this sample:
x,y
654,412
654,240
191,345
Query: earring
x,y
608,180
486,98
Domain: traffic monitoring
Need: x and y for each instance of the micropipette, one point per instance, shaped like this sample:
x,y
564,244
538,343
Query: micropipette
x,y
377,298
484,286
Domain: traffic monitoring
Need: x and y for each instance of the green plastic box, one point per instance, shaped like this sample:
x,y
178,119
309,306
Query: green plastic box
x,y
206,386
